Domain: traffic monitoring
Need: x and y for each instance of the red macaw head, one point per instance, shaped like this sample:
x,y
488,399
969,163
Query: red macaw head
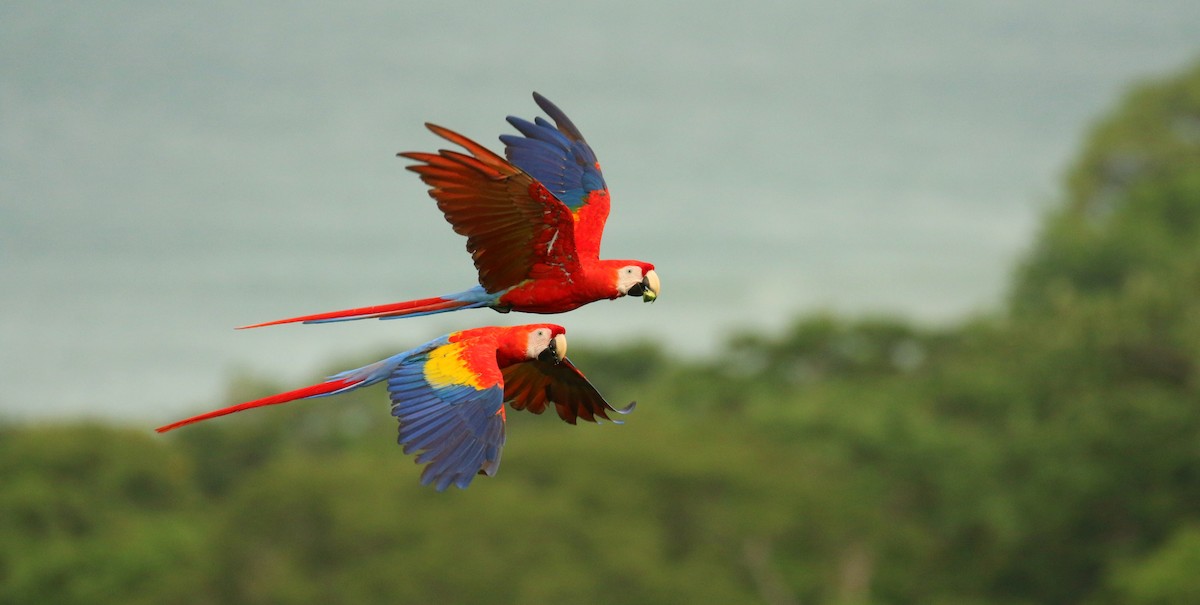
x,y
546,342
636,278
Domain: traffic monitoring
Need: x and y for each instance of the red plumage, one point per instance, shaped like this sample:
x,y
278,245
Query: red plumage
x,y
448,395
316,390
533,223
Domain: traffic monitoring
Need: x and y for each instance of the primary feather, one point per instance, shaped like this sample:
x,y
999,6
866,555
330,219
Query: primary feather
x,y
448,396
533,220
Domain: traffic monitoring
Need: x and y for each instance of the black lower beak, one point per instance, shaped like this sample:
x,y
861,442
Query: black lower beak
x,y
550,354
637,289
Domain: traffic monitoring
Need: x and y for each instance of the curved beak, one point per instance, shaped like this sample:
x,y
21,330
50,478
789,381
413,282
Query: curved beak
x,y
556,351
650,286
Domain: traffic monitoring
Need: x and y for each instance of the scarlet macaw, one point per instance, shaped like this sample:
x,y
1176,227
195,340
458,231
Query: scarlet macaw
x,y
533,225
449,394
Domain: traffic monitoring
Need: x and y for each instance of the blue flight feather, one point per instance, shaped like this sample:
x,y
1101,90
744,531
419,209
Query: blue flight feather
x,y
554,154
455,430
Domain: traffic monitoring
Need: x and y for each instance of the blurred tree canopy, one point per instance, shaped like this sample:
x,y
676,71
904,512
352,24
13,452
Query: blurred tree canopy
x,y
1047,454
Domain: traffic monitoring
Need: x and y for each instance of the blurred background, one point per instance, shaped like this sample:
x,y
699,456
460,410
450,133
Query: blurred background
x,y
930,329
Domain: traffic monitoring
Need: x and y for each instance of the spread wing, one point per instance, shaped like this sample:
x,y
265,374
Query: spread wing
x,y
534,385
451,414
558,156
516,229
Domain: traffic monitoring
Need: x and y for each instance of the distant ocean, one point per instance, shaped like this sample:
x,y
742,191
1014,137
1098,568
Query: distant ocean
x,y
169,172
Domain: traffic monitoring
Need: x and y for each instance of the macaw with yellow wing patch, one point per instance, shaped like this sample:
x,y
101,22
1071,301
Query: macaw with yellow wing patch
x,y
449,394
533,224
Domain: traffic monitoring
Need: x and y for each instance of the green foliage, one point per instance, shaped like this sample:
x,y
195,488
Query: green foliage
x,y
1050,455
1166,576
1132,198
90,514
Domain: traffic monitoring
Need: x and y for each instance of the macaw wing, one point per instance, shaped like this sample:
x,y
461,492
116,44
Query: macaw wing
x,y
451,413
516,229
558,156
534,385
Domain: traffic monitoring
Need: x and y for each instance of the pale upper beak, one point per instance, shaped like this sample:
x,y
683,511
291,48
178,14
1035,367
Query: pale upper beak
x,y
556,351
650,286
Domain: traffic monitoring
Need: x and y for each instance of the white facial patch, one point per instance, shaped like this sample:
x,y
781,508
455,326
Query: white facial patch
x,y
628,277
539,339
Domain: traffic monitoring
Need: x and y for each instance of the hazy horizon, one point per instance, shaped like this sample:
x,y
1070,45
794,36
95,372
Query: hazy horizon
x,y
170,172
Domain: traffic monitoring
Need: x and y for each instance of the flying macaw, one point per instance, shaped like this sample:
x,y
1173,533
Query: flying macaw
x,y
449,394
533,225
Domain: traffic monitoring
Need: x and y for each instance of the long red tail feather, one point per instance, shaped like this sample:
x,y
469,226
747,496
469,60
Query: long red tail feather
x,y
408,307
323,388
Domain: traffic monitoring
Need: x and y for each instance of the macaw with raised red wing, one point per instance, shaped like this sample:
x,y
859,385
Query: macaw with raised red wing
x,y
533,225
449,394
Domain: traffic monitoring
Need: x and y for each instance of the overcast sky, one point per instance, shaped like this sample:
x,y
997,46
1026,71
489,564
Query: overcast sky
x,y
169,170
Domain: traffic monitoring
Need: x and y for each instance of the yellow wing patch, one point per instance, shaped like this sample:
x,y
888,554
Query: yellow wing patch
x,y
446,366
